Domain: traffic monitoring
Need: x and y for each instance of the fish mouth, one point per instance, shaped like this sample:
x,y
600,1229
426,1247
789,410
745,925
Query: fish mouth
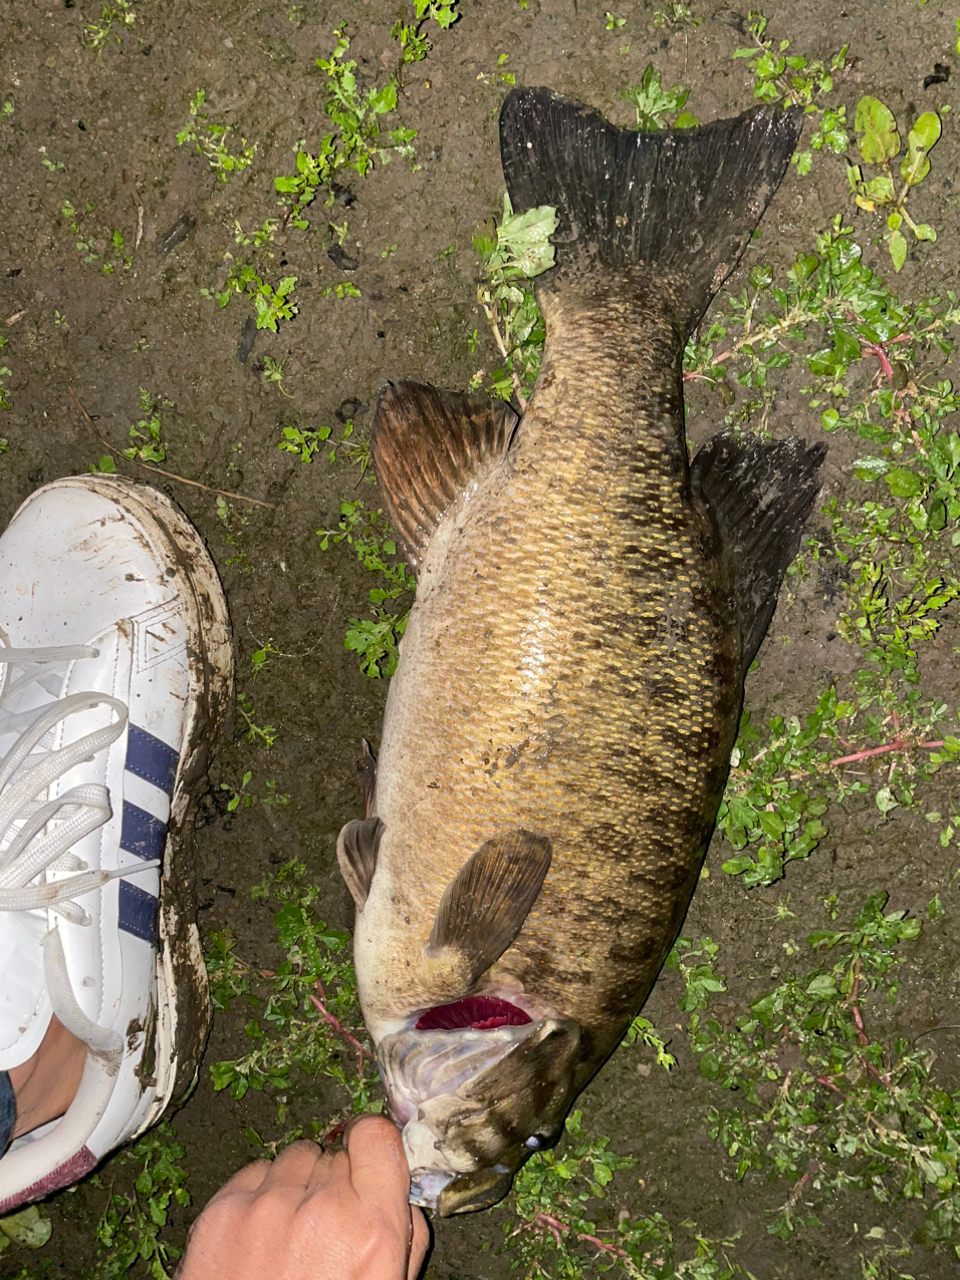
x,y
476,1013
477,1086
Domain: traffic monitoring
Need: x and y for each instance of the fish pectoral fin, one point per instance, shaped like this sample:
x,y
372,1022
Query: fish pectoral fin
x,y
357,847
426,447
758,494
483,908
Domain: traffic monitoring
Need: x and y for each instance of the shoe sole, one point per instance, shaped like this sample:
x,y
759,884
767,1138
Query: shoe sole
x,y
183,1012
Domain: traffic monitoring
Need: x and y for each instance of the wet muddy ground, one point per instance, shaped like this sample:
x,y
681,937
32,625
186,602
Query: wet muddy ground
x,y
110,231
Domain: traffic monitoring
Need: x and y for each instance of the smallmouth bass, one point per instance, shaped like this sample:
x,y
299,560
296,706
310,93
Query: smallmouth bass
x,y
557,736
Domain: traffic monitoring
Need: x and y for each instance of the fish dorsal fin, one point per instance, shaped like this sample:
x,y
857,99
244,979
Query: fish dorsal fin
x,y
759,494
357,848
427,446
483,908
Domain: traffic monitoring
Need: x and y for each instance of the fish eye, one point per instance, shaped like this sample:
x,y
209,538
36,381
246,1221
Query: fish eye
x,y
548,1137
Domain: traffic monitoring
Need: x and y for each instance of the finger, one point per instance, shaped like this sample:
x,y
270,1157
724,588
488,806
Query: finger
x,y
245,1181
419,1244
297,1166
378,1166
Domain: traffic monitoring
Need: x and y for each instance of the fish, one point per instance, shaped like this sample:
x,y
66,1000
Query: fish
x,y
557,736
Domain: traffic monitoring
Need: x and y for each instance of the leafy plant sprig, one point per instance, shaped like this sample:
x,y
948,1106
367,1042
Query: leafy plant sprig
x,y
210,140
878,140
655,105
414,45
306,1014
513,254
796,80
131,1228
375,639
559,1198
826,1104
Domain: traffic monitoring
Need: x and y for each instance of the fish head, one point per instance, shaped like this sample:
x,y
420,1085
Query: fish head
x,y
475,1102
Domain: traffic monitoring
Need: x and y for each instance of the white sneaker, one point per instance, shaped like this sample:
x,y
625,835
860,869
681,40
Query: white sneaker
x,y
115,673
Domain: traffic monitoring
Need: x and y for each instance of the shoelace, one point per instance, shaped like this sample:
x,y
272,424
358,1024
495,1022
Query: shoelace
x,y
36,835
29,768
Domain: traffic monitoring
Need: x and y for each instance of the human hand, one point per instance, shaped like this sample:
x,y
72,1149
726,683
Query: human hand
x,y
314,1216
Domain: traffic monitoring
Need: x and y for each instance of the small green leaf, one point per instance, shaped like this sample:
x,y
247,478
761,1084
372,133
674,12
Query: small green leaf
x,y
880,140
822,986
29,1227
895,221
886,800
880,189
904,483
923,231
898,249
926,131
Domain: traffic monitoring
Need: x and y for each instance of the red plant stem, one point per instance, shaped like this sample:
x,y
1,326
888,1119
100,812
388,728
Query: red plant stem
x,y
868,349
337,1026
828,1084
898,744
602,1245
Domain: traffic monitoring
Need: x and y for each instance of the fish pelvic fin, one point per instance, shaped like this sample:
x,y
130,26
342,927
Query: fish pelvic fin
x,y
426,447
759,494
671,210
357,847
484,906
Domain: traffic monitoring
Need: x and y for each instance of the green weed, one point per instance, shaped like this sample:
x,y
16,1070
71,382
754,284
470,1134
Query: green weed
x,y
210,140
358,140
305,1015
130,1230
674,14
28,1228
793,79
368,533
115,18
414,45
559,1199
879,144
501,75
642,1031
513,254
656,107
243,797
824,1103
145,432
52,166
273,374
108,249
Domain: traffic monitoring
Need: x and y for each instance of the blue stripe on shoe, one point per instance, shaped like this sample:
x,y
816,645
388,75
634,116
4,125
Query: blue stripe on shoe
x,y
138,912
142,834
151,759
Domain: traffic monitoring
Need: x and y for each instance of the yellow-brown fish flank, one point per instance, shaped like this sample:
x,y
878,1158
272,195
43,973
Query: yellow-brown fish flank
x,y
558,733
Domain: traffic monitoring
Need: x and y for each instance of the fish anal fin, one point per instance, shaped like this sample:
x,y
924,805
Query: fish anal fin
x,y
483,908
759,494
427,446
357,848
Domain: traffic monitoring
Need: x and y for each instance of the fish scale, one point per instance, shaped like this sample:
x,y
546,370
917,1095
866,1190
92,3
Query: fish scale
x,y
558,732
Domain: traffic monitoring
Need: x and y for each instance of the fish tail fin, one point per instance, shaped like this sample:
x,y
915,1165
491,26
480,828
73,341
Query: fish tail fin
x,y
673,208
759,494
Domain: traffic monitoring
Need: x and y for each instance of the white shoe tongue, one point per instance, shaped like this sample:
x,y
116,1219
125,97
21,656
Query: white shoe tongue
x,y
24,1004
